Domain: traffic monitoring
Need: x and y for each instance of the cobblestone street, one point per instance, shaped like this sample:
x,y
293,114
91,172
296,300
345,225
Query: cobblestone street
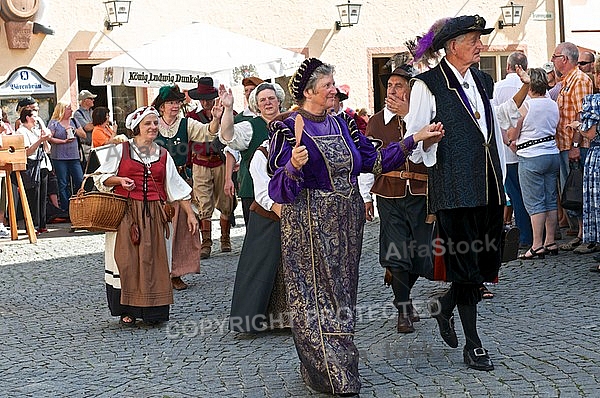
x,y
58,339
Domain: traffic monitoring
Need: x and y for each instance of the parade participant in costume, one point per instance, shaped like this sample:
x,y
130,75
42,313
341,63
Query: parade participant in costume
x,y
175,132
465,169
249,83
266,99
315,159
208,171
259,295
138,254
232,157
401,202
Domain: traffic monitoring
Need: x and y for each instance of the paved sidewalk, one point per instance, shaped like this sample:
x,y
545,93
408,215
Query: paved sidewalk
x,y
58,339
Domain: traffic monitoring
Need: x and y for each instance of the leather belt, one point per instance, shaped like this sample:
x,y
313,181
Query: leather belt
x,y
211,158
527,144
258,209
407,175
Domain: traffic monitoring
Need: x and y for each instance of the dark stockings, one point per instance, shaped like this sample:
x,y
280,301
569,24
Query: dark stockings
x,y
467,312
468,319
402,284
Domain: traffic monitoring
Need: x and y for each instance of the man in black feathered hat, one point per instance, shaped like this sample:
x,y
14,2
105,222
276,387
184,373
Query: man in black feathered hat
x,y
465,171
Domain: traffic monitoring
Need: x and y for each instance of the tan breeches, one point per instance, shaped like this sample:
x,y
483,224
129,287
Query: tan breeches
x,y
208,191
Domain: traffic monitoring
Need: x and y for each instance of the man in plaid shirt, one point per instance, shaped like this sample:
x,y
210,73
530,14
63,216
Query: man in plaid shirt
x,y
572,146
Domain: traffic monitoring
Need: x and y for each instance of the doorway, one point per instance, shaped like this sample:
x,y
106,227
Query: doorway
x,y
379,67
84,82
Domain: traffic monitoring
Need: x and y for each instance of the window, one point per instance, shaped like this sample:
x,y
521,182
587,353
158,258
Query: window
x,y
494,65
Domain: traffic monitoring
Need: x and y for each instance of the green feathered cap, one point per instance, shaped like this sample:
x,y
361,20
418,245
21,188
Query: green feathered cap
x,y
168,93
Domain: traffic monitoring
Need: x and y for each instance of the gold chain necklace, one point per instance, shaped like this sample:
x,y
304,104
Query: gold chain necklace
x,y
474,107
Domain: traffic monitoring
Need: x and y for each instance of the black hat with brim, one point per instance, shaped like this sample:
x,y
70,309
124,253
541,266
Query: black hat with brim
x,y
458,26
342,96
205,90
405,71
23,102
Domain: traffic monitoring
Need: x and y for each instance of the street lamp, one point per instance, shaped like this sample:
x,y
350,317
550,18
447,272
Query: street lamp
x,y
118,13
349,14
511,15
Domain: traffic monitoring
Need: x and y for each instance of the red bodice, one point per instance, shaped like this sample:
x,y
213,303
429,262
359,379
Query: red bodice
x,y
152,179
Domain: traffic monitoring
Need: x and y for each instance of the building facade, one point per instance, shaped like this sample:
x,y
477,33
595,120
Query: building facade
x,y
60,65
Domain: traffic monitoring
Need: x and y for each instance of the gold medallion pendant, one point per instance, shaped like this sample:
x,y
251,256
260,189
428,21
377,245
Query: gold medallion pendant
x,y
477,115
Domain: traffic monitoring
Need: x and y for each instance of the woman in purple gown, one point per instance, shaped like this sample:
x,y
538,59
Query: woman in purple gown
x,y
315,178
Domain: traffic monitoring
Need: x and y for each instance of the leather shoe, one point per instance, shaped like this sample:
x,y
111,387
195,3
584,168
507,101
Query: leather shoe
x,y
413,314
445,324
478,359
178,284
405,325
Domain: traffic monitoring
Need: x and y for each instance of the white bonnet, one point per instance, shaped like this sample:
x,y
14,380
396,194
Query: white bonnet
x,y
134,118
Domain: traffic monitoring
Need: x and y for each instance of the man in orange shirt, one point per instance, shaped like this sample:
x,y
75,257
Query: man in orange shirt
x,y
572,146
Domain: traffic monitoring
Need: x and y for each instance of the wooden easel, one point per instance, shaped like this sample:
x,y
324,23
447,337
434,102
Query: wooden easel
x,y
14,158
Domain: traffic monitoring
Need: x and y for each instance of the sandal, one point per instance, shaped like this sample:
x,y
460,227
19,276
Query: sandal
x,y
127,321
533,253
485,293
552,248
595,268
571,245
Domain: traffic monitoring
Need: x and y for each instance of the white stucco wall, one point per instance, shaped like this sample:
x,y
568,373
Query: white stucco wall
x,y
293,24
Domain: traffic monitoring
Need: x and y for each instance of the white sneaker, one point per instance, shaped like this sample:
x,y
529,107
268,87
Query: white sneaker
x,y
4,232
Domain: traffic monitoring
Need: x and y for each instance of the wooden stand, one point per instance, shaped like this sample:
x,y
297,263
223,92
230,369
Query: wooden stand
x,y
14,158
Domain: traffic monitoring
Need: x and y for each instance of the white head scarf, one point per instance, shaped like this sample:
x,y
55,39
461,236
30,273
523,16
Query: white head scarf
x,y
134,118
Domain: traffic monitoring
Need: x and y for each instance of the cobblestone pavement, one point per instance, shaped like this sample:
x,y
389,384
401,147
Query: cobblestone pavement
x,y
58,338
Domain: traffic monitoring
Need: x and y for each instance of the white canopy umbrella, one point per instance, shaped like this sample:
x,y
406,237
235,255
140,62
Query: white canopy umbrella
x,y
225,56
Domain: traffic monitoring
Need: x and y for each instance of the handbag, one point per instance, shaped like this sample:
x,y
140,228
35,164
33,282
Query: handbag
x,y
572,194
31,176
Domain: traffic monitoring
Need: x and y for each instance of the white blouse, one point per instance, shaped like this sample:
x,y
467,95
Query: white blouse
x,y
30,138
260,178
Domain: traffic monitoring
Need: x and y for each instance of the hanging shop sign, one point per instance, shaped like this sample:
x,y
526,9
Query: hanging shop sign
x,y
26,81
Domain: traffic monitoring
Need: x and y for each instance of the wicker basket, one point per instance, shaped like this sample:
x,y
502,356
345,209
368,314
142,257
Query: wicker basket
x,y
97,211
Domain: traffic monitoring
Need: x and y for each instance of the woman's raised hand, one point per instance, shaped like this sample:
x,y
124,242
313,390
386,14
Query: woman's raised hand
x,y
217,110
226,96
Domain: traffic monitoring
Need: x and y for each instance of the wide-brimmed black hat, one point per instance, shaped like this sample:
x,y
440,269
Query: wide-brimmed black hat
x,y
406,71
342,96
167,93
457,26
205,91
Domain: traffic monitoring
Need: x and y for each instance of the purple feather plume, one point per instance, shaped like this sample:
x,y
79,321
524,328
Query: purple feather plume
x,y
424,44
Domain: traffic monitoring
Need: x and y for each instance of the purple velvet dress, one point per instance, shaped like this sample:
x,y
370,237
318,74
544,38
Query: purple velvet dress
x,y
321,239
